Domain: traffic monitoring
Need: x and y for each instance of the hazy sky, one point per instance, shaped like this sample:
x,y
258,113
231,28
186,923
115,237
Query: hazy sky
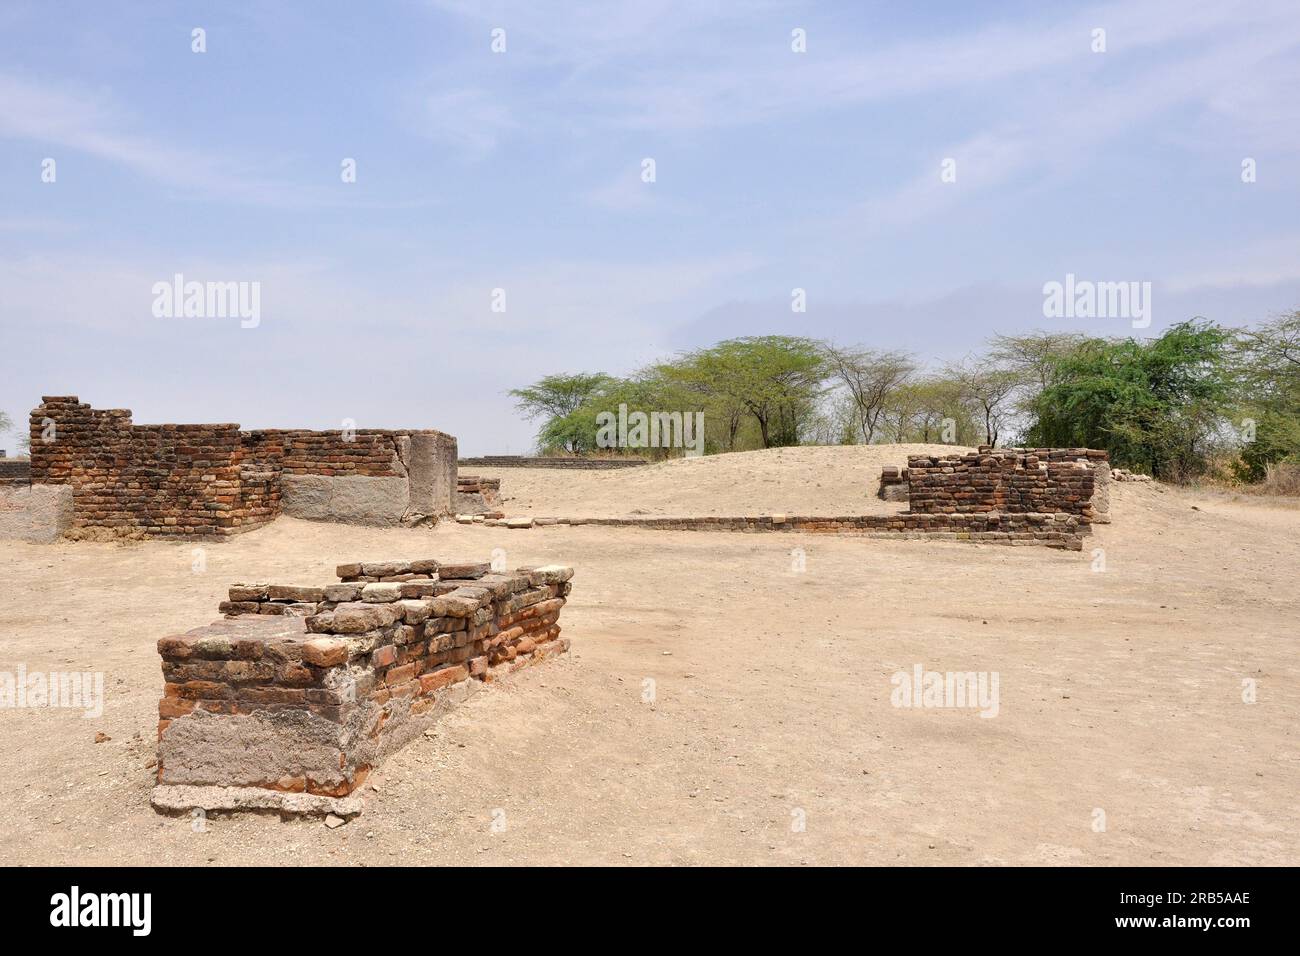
x,y
522,170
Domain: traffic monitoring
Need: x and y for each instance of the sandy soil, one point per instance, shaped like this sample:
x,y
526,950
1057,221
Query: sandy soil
x,y
1120,692
836,480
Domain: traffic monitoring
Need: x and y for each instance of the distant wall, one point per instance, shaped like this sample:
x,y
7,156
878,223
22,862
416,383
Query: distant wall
x,y
520,461
202,480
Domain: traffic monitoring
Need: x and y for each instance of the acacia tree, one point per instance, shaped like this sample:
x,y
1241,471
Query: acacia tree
x,y
775,378
557,400
1033,356
1266,365
870,378
989,390
920,410
723,413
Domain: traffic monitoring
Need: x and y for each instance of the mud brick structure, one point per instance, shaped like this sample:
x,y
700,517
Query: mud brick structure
x,y
299,692
477,495
1015,481
213,480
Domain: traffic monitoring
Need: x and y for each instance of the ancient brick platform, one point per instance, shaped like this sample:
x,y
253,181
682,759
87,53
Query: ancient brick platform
x,y
1043,496
299,692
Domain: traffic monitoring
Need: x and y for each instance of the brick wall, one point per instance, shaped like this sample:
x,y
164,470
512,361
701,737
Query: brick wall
x,y
164,479
1010,481
1050,530
370,452
300,691
203,480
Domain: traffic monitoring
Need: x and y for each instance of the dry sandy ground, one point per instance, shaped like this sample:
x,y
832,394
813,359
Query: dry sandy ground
x,y
836,480
1120,692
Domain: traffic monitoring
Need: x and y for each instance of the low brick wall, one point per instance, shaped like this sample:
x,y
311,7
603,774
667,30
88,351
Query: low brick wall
x,y
1002,480
290,701
477,495
1050,530
521,461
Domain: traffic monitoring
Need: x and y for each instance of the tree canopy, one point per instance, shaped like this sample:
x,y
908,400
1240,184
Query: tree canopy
x,y
1170,405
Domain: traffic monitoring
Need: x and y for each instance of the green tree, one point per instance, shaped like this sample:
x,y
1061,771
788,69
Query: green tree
x,y
1276,438
988,390
1267,374
1033,356
1153,404
776,379
869,377
556,399
1271,357
921,411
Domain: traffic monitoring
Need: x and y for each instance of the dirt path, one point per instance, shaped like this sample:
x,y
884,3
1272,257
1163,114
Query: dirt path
x,y
1120,692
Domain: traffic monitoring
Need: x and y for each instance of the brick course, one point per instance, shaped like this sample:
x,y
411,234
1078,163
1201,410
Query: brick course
x,y
1015,481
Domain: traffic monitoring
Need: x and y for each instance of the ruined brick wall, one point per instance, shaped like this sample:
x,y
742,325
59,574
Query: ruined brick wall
x,y
201,480
1009,481
291,700
299,451
365,476
160,479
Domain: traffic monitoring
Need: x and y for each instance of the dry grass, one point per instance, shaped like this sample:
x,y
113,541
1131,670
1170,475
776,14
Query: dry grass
x,y
1281,478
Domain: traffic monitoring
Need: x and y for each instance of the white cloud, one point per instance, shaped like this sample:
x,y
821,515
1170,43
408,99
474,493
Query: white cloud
x,y
93,124
683,65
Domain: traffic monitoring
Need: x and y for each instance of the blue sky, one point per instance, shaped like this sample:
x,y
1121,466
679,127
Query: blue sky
x,y
522,171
